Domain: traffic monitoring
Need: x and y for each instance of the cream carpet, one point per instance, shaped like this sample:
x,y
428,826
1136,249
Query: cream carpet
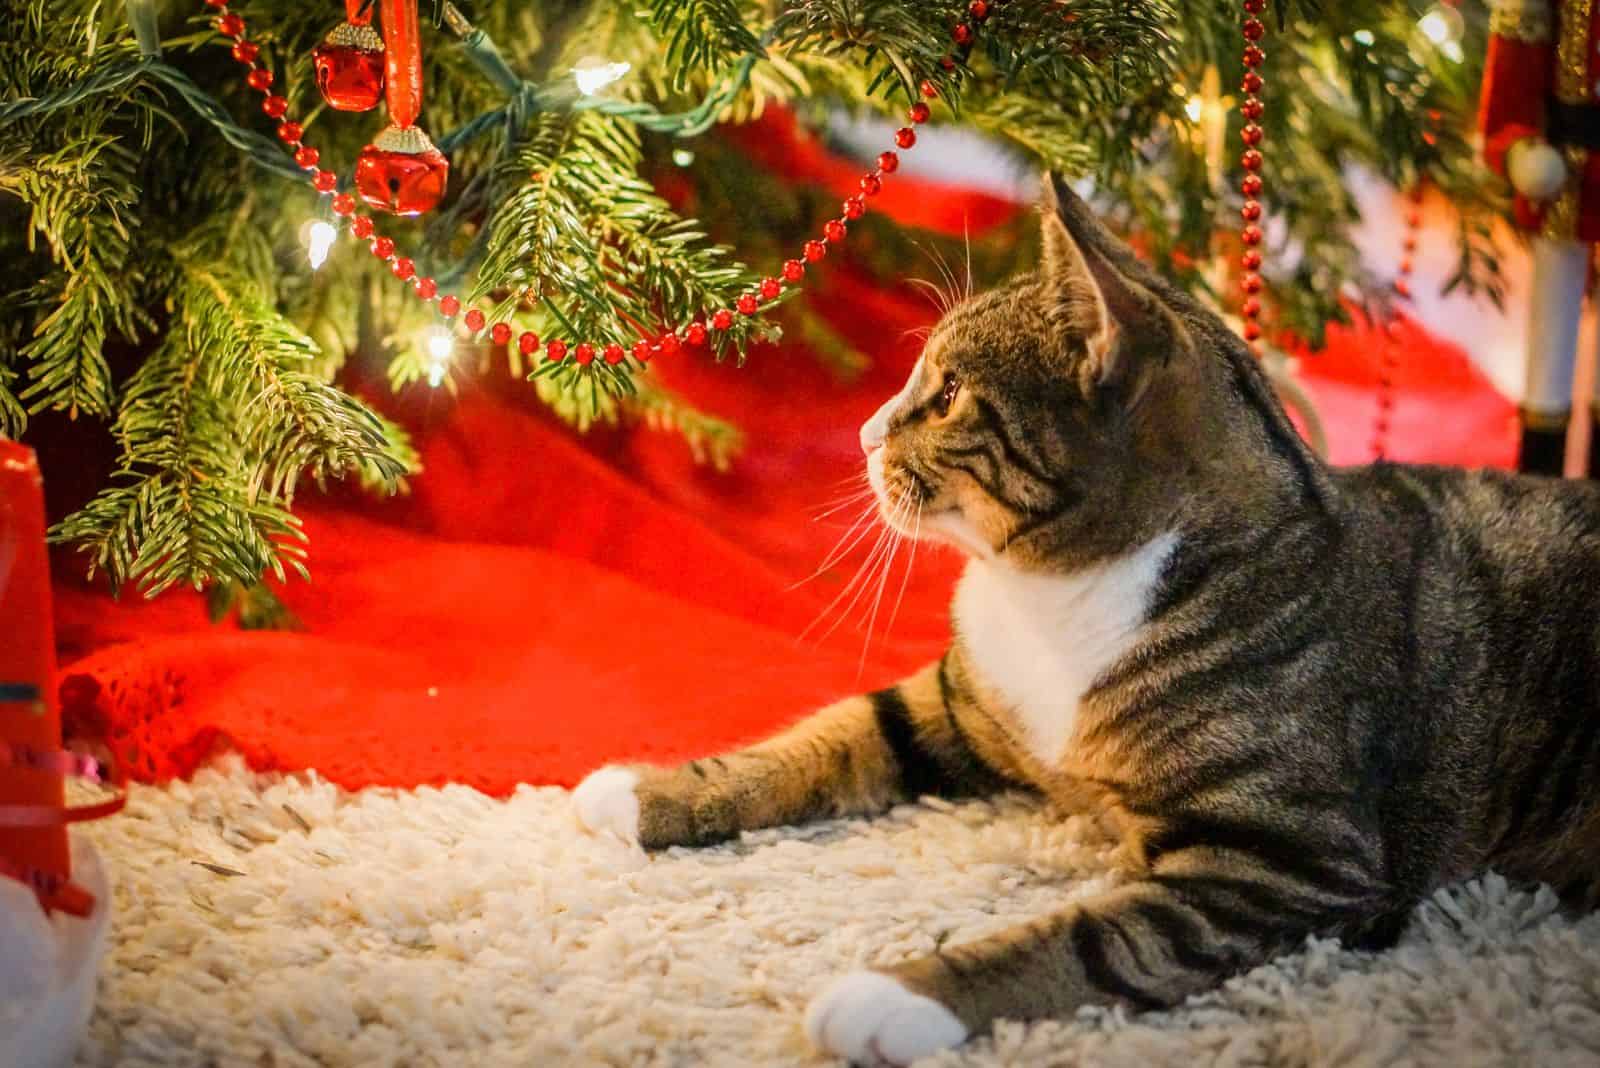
x,y
266,921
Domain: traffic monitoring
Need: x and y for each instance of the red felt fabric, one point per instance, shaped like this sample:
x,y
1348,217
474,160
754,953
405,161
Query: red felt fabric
x,y
541,603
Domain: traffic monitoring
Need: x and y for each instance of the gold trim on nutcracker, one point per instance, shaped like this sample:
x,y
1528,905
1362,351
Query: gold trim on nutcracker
x,y
1526,22
1572,52
1561,217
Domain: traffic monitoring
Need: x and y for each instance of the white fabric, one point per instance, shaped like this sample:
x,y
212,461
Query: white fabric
x,y
48,968
441,928
1560,274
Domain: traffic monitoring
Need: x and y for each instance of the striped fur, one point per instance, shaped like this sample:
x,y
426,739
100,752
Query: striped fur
x,y
1331,692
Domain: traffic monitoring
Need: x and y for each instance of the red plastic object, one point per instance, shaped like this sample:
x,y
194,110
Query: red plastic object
x,y
349,77
28,712
402,42
398,181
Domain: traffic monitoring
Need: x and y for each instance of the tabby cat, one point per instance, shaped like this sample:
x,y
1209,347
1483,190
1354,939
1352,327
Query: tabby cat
x,y
1303,696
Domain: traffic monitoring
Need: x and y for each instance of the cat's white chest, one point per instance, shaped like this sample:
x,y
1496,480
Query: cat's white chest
x,y
1040,641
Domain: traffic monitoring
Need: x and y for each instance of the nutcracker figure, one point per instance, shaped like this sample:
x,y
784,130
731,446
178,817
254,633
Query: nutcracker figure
x,y
1540,119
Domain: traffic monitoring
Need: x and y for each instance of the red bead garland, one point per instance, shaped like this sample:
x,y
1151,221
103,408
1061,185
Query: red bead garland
x,y
362,227
1252,108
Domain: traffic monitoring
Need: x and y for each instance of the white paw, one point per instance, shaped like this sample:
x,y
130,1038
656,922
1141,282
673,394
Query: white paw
x,y
869,1018
607,801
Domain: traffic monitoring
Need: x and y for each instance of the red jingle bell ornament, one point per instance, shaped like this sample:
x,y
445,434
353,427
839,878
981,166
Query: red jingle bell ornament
x,y
349,61
401,171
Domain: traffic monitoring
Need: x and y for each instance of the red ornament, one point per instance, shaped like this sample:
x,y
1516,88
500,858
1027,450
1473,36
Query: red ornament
x,y
1251,134
402,172
1253,56
1253,108
668,345
770,288
905,137
1251,260
835,230
259,79
722,319
871,184
918,113
1402,287
500,333
290,133
1255,7
961,34
793,270
344,204
426,288
814,251
1253,30
1252,308
928,89
888,162
1252,82
641,350
527,342
325,181
1251,235
274,107
475,319
1251,283
1251,160
246,51
978,9
230,25
1252,330
747,304
383,248
306,156
855,207
349,66
1251,186
449,305
403,268
555,350
694,335
361,227
947,61
614,353
583,352
1251,210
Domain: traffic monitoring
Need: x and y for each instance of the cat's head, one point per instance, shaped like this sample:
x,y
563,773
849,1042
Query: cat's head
x,y
1077,412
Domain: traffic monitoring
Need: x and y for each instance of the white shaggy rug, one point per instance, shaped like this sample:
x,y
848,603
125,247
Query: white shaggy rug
x,y
266,921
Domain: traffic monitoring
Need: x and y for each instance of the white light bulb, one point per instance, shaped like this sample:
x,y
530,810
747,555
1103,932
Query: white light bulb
x,y
440,345
593,75
1364,37
682,156
319,241
1441,25
1194,108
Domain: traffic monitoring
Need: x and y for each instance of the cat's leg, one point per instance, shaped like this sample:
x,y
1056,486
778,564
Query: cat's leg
x,y
857,756
1146,944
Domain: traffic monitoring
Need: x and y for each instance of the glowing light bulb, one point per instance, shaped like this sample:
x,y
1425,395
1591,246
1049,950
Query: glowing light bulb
x,y
1442,25
440,345
682,156
1365,37
319,240
1194,108
593,75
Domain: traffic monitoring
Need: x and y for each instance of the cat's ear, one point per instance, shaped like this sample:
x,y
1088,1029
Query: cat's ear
x,y
1118,321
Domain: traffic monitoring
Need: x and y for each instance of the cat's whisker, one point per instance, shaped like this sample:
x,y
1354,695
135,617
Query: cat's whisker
x,y
911,561
861,581
883,535
936,296
883,582
840,549
843,503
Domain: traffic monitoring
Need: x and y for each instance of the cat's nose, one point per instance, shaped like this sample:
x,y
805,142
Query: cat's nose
x,y
871,437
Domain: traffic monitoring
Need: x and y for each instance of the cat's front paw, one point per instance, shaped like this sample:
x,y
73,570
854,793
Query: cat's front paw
x,y
870,1018
608,801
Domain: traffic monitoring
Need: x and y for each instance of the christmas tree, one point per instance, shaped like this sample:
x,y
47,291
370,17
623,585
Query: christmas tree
x,y
184,269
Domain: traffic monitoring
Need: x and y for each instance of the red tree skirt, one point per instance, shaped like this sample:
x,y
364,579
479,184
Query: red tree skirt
x,y
541,604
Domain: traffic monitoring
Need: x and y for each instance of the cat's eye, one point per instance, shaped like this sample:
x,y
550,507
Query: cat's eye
x,y
947,395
